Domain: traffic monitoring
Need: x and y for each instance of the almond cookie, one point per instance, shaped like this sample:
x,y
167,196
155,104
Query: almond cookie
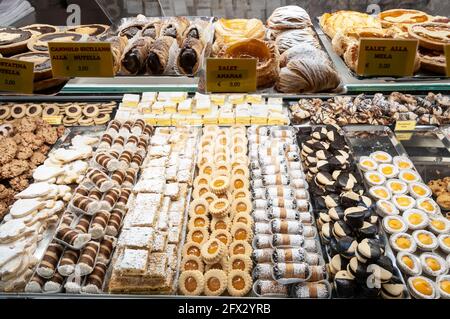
x,y
239,283
215,282
192,263
8,149
191,283
26,125
240,247
213,251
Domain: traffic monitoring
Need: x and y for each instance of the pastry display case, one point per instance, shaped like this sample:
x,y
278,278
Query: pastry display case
x,y
321,184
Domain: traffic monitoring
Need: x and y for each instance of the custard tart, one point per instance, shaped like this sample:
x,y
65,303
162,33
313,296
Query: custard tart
x,y
219,208
39,43
192,263
397,187
42,63
409,264
198,206
433,264
13,41
402,18
198,221
240,247
191,283
38,29
219,185
239,283
215,282
220,223
213,251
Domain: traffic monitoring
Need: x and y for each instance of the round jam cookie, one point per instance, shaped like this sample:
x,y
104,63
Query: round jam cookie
x,y
220,265
223,166
422,287
18,111
240,247
201,180
219,185
215,282
433,264
219,208
5,112
199,221
200,191
68,121
192,263
198,206
191,283
220,223
198,235
223,235
241,231
86,121
102,119
213,251
207,169
241,262
409,176
73,110
227,196
415,219
381,157
91,111
402,162
240,170
209,197
428,205
191,249
409,264
241,205
367,164
403,242
244,218
239,283
239,182
221,157
425,240
34,110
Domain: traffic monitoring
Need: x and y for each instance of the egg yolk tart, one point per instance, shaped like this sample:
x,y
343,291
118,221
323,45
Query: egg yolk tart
x,y
386,208
425,239
409,263
192,263
433,265
444,286
444,242
421,287
191,249
428,205
409,176
223,235
241,262
402,162
198,221
220,224
239,283
415,218
381,157
213,251
207,169
199,207
380,192
403,242
219,185
403,202
439,225
219,208
215,282
240,247
239,182
367,164
191,283
241,205
394,224
241,231
375,178
198,235
419,190
209,197
388,170
397,187
244,218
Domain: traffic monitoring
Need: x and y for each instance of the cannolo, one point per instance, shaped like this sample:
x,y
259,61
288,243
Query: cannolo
x,y
54,284
118,44
159,54
133,58
83,224
87,258
68,261
123,198
189,58
130,177
94,282
118,177
115,221
86,204
36,284
100,180
107,161
106,249
50,260
73,238
151,29
99,223
175,28
110,198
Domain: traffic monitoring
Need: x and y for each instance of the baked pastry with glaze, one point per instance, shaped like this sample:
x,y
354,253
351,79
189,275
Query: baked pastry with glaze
x,y
92,30
431,35
14,41
42,64
402,18
289,17
135,55
158,58
39,29
39,43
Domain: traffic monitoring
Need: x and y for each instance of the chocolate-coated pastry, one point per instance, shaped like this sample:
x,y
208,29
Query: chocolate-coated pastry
x,y
159,55
189,58
93,30
344,284
336,213
131,30
367,230
345,246
175,27
341,229
133,58
349,199
358,270
368,249
42,64
354,216
151,29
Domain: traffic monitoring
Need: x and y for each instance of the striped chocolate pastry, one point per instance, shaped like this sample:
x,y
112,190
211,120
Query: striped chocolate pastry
x,y
114,154
137,160
111,197
148,130
123,198
87,258
68,260
127,126
133,139
86,204
115,126
73,111
83,224
118,177
95,194
130,177
50,260
106,161
81,190
72,237
119,141
106,139
94,282
143,143
100,180
99,224
67,219
114,223
106,248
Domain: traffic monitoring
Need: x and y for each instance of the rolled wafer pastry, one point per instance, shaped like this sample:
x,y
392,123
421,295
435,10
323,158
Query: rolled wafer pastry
x,y
67,219
142,144
95,194
68,261
99,223
81,190
100,180
107,161
189,57
136,161
83,224
125,159
132,142
114,223
151,29
175,27
106,249
114,154
159,54
130,177
118,143
106,141
110,198
88,257
86,204
54,284
134,55
49,262
73,238
36,284
94,282
118,177
123,198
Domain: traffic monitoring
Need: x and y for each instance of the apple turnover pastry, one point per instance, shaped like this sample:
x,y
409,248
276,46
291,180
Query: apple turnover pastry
x,y
431,35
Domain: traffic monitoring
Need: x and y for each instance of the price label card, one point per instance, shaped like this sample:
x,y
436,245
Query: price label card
x,y
53,119
74,59
403,136
230,75
386,57
447,57
16,76
405,126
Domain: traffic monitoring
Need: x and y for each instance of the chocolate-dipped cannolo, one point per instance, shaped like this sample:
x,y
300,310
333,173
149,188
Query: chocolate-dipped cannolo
x,y
99,223
189,58
133,58
175,28
94,282
106,249
115,221
159,54
73,238
151,29
87,258
50,260
100,180
118,44
86,204
132,28
68,261
36,284
125,159
118,177
110,198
